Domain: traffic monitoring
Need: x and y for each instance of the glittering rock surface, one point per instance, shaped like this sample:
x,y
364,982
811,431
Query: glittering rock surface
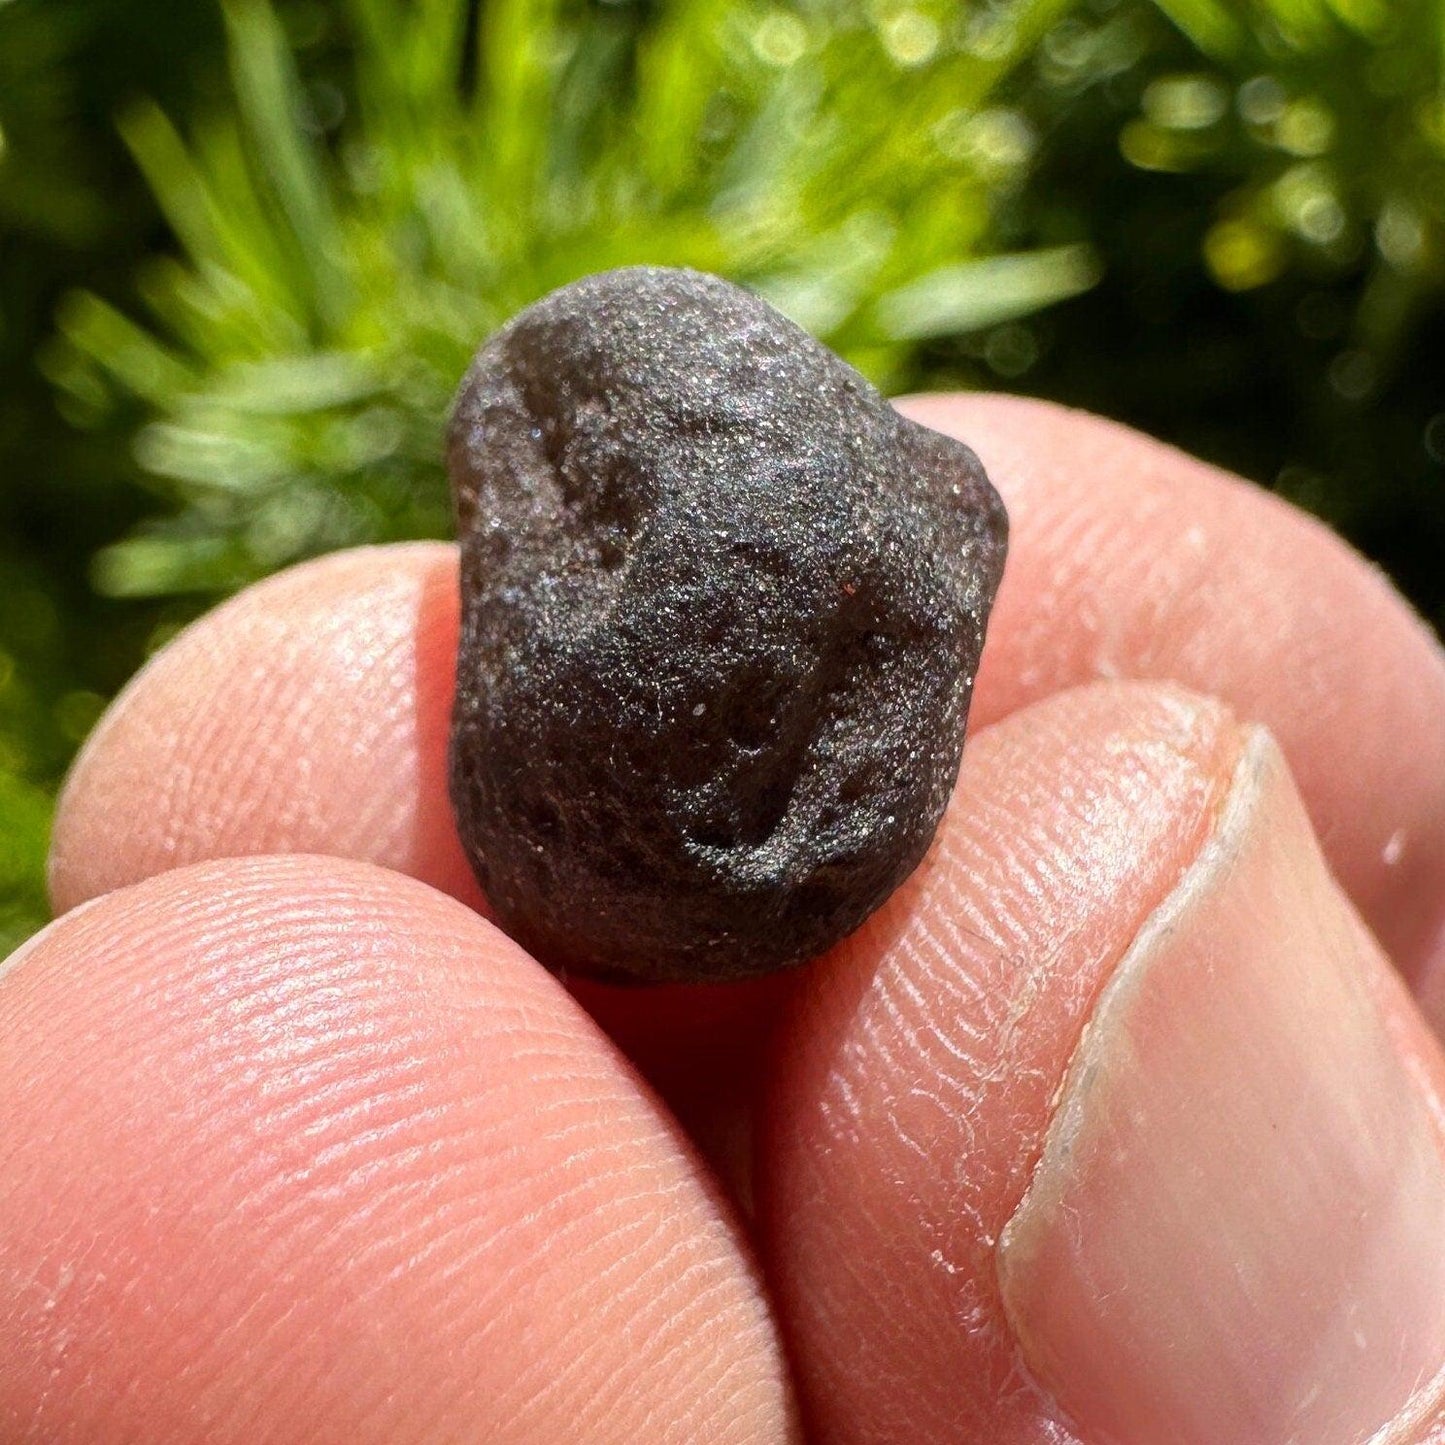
x,y
722,610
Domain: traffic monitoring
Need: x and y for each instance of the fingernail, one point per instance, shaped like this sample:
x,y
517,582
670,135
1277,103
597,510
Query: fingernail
x,y
1236,1232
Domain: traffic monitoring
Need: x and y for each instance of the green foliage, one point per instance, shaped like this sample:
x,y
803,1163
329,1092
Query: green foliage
x,y
345,251
1273,244
1331,118
69,213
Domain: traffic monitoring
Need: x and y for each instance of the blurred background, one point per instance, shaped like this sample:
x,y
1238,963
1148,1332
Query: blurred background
x,y
247,247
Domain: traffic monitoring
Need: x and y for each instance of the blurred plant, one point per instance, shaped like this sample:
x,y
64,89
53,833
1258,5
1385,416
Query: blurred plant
x,y
347,246
1330,115
71,211
1263,182
1277,263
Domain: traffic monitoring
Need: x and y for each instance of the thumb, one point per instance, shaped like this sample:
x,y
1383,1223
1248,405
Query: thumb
x,y
1120,1120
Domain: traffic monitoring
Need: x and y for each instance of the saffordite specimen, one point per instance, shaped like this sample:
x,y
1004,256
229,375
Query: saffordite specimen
x,y
722,609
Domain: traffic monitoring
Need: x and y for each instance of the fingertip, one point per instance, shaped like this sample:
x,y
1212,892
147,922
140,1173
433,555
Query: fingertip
x,y
299,1149
1131,559
308,714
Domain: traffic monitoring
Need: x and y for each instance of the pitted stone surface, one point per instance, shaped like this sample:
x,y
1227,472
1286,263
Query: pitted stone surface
x,y
722,611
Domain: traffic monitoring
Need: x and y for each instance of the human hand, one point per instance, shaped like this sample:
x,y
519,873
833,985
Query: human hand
x,y
301,1149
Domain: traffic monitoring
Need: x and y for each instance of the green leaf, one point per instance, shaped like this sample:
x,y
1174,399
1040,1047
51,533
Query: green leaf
x,y
24,843
175,181
521,44
1208,23
976,294
132,354
270,98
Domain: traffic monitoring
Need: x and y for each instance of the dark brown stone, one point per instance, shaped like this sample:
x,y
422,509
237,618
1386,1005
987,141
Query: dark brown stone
x,y
722,610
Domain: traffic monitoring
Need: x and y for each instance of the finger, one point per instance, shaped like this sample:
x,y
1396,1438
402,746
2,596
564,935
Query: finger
x,y
1114,1125
307,715
1129,559
299,1150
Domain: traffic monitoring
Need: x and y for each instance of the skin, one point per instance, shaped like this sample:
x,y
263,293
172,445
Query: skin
x,y
296,1146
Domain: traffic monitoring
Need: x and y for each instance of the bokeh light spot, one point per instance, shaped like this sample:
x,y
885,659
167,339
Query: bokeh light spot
x,y
1186,102
1435,437
1400,235
1306,128
1241,254
1352,374
780,40
1261,100
910,38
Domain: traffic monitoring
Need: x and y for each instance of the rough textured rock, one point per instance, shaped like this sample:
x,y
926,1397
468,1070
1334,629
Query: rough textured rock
x,y
722,609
